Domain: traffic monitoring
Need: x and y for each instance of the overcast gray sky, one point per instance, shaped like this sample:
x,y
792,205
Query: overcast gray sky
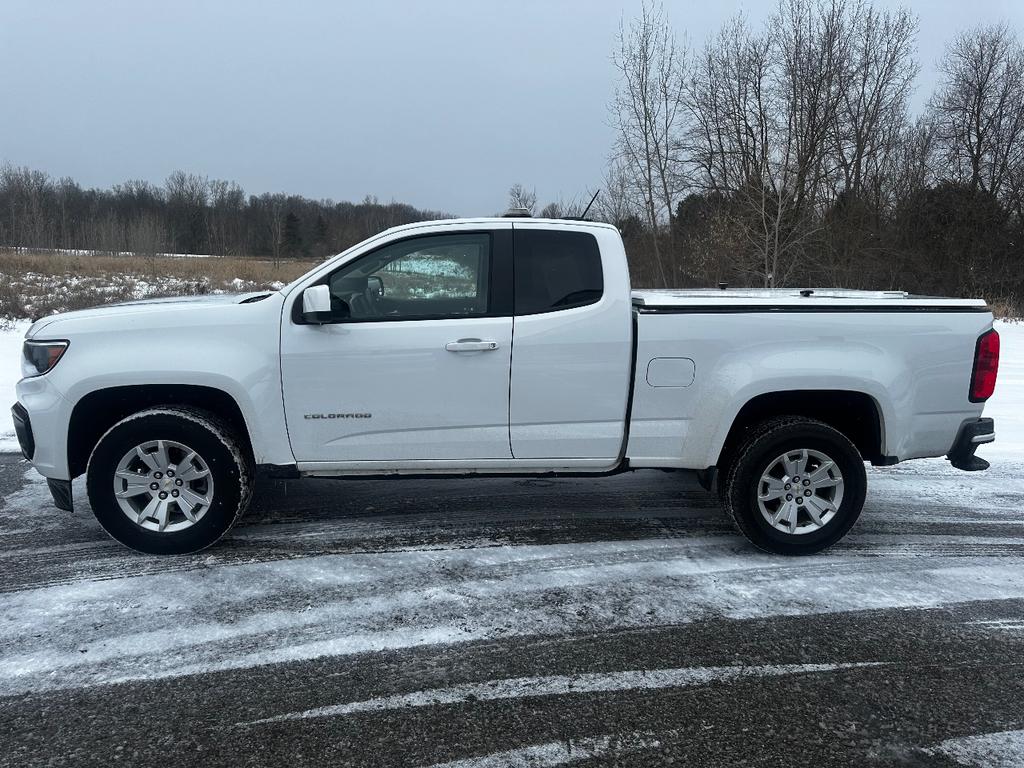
x,y
441,104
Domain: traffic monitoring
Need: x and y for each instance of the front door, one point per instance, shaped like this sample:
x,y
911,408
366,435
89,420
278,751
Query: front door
x,y
415,363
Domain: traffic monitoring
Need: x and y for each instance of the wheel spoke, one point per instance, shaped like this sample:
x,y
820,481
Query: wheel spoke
x,y
789,465
782,511
190,474
136,487
148,511
190,497
816,508
162,459
163,514
186,510
824,505
148,459
775,488
792,515
821,473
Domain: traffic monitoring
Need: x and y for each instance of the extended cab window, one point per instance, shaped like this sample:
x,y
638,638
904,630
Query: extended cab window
x,y
427,277
556,270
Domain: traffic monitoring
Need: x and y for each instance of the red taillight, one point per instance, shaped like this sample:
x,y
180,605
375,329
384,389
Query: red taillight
x,y
986,365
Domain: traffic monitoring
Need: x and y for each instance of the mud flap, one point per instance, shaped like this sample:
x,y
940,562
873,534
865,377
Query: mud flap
x,y
61,492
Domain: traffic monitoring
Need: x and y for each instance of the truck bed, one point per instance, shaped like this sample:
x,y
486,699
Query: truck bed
x,y
702,354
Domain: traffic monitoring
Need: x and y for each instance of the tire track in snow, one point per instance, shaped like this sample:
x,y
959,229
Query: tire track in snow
x,y
562,685
555,753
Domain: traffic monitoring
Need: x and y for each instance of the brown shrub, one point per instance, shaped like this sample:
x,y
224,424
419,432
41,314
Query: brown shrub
x,y
39,284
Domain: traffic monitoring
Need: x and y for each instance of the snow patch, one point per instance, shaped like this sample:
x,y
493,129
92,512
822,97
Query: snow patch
x,y
987,750
555,753
11,339
1007,404
561,685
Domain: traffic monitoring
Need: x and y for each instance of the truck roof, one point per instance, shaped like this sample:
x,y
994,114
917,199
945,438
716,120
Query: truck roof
x,y
485,221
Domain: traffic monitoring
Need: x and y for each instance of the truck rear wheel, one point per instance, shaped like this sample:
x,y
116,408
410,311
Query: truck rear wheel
x,y
795,486
168,480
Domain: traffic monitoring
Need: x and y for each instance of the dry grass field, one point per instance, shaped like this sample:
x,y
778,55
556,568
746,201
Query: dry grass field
x,y
37,284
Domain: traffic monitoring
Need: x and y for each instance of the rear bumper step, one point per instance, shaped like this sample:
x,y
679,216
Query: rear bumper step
x,y
972,434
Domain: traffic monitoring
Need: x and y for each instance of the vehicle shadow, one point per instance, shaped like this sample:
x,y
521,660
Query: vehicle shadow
x,y
397,513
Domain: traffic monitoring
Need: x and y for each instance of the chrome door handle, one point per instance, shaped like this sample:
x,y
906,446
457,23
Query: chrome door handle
x,y
471,345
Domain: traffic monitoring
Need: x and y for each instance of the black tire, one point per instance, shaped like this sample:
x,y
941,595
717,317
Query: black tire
x,y
220,449
753,457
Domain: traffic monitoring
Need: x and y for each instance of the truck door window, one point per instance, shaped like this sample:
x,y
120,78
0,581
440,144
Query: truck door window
x,y
427,277
556,270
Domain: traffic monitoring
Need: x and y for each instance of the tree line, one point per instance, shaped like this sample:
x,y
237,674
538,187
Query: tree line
x,y
187,214
787,154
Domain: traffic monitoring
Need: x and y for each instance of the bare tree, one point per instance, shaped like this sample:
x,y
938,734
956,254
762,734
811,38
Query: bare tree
x,y
521,197
877,83
866,141
226,202
647,114
764,112
275,224
187,197
733,130
978,111
616,203
145,236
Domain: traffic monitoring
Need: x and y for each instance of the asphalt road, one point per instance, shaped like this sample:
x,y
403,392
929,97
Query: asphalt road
x,y
498,622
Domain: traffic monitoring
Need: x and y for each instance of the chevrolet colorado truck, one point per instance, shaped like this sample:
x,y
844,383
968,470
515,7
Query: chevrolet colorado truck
x,y
500,346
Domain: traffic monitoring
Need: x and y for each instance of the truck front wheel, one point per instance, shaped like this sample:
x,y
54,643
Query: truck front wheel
x,y
168,480
795,486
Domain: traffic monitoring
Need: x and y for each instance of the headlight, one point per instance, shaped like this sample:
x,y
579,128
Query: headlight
x,y
38,357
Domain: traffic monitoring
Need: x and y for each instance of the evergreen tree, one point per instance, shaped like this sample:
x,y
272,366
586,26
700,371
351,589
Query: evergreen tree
x,y
292,236
320,235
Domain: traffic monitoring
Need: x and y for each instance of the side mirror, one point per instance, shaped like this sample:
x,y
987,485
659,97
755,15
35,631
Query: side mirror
x,y
376,284
316,304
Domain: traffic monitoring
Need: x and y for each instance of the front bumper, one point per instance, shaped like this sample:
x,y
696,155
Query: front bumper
x,y
23,430
59,489
46,413
972,434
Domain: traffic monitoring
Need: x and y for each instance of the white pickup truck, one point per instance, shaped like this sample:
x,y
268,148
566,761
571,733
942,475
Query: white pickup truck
x,y
500,346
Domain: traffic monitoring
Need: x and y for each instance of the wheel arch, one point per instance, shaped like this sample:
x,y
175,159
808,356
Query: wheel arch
x,y
856,414
99,410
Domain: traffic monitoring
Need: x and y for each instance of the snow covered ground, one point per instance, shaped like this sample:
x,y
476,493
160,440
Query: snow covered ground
x,y
11,338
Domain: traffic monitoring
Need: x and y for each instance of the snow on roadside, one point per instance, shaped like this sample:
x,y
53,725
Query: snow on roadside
x,y
987,750
1007,404
10,371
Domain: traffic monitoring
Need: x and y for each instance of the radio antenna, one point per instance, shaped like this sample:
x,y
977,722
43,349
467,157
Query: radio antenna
x,y
585,210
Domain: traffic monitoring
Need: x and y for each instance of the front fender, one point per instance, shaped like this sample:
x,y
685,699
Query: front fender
x,y
231,348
